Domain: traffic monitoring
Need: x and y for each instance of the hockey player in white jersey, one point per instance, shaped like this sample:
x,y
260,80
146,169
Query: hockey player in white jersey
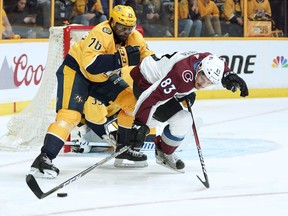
x,y
161,82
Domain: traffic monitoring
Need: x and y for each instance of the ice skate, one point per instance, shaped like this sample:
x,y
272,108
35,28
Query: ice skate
x,y
169,161
42,167
130,158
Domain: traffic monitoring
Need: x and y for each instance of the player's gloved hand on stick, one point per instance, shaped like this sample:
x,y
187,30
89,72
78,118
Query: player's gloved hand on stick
x,y
190,97
138,134
128,55
232,82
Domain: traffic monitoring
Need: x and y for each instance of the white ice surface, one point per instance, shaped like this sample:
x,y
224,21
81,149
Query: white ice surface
x,y
244,144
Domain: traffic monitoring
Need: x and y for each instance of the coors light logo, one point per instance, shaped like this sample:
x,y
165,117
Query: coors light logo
x,y
23,74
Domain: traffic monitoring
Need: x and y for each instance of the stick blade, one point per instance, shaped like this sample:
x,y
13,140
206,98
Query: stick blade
x,y
33,185
205,183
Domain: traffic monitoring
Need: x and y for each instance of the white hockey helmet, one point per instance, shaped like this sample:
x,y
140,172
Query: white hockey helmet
x,y
213,68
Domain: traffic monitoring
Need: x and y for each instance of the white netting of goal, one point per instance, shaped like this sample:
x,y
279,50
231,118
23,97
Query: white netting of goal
x,y
26,130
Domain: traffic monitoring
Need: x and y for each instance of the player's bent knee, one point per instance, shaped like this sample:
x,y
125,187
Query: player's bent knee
x,y
180,123
68,119
126,100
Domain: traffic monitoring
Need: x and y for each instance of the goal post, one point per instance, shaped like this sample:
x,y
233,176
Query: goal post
x,y
28,128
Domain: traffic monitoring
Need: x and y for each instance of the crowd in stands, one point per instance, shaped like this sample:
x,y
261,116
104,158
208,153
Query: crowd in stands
x,y
7,32
196,18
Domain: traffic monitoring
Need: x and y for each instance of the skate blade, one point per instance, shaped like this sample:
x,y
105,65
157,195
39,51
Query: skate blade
x,y
123,163
48,174
169,167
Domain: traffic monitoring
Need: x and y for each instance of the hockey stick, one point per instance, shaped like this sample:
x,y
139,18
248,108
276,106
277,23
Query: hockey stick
x,y
87,143
206,182
33,185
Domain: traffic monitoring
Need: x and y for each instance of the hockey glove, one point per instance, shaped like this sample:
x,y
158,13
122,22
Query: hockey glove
x,y
138,134
191,97
128,55
232,82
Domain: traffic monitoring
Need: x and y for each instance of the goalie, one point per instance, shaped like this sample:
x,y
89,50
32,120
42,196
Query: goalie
x,y
92,68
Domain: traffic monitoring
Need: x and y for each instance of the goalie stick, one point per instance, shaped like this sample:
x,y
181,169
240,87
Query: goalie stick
x,y
87,143
33,185
206,182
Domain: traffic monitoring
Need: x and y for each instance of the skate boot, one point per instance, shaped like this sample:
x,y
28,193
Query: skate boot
x,y
170,161
42,167
131,158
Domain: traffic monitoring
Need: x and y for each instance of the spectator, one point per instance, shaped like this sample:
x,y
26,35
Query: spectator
x,y
137,7
259,9
184,22
105,6
61,11
43,10
20,18
195,16
209,13
232,11
82,14
79,13
119,2
154,19
7,31
97,9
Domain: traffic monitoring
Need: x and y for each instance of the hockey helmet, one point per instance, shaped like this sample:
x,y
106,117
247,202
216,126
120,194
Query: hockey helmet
x,y
123,15
212,67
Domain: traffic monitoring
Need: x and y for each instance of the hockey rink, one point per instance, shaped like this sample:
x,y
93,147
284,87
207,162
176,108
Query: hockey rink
x,y
245,149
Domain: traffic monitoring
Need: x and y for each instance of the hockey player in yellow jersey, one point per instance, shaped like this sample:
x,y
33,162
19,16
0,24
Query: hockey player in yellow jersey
x,y
92,68
106,114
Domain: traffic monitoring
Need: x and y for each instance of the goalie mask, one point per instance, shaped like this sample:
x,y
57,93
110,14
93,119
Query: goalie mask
x,y
212,67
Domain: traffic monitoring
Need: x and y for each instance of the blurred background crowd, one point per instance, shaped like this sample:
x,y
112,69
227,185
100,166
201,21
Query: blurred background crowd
x,y
155,18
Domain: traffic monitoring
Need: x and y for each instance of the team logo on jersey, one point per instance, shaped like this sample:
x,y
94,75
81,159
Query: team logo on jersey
x,y
107,30
78,98
187,76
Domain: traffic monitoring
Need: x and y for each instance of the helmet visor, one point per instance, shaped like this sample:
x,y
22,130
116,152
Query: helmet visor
x,y
124,29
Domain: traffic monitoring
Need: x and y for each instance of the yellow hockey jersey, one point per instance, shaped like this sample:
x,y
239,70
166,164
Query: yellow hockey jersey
x,y
183,10
208,8
256,8
230,8
100,41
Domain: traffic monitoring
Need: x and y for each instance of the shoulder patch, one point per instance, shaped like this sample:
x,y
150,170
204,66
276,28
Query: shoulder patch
x,y
106,30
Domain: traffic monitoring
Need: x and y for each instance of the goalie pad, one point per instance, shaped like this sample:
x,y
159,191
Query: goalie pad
x,y
84,140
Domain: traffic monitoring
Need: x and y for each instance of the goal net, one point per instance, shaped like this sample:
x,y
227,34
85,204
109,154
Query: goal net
x,y
28,128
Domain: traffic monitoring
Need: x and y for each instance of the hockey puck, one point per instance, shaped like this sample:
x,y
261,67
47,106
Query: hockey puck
x,y
62,194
